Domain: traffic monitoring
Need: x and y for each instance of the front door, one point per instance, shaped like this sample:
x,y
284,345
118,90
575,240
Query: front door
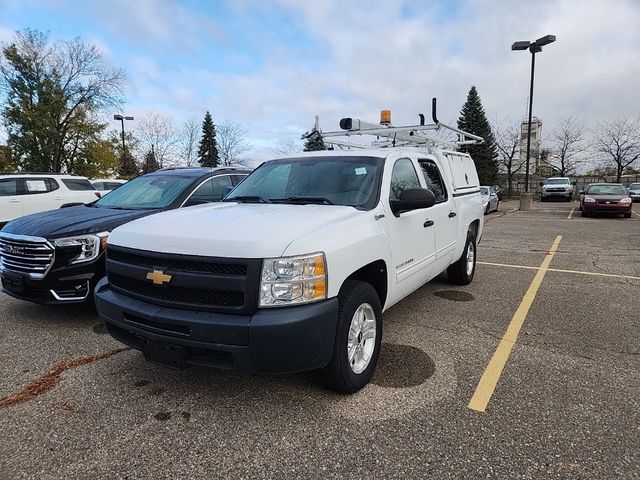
x,y
412,233
10,200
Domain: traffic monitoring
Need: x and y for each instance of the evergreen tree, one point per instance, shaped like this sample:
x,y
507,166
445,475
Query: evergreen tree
x,y
128,167
315,142
473,120
208,148
150,163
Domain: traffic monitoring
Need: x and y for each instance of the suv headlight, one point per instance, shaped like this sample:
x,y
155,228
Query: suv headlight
x,y
90,246
293,280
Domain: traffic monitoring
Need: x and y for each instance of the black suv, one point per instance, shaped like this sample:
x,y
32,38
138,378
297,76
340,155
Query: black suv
x,y
58,256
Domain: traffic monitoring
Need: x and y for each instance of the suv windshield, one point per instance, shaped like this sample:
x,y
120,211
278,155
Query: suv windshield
x,y
634,186
350,181
606,190
557,181
146,192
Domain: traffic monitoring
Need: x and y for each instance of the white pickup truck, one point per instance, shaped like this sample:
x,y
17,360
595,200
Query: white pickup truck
x,y
294,269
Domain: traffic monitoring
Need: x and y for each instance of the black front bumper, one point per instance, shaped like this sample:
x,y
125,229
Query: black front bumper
x,y
278,340
71,284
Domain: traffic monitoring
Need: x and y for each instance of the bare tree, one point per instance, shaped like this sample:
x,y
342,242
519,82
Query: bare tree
x,y
287,147
189,140
507,135
567,145
232,142
157,132
618,141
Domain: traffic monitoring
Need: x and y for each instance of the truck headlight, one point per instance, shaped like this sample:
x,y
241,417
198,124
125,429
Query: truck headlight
x,y
90,246
293,280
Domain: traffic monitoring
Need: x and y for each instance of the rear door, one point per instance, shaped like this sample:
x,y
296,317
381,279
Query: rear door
x,y
443,213
10,199
41,194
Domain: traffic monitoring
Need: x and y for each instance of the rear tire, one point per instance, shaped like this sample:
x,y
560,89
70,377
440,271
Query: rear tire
x,y
462,272
357,344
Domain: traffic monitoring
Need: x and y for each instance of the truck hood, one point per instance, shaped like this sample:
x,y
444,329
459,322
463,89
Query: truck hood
x,y
70,221
241,230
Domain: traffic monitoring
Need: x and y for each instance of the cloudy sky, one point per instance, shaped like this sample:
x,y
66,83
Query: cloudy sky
x,y
273,65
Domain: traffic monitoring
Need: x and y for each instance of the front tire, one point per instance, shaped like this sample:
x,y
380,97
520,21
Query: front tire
x,y
627,215
358,338
462,272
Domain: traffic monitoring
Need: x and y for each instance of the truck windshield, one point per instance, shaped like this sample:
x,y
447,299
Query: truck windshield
x,y
146,192
558,181
351,181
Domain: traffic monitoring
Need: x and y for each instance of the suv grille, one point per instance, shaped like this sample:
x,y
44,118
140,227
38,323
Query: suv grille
x,y
31,256
228,285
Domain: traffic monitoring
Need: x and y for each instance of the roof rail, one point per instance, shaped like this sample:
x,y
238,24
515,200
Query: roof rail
x,y
40,173
411,135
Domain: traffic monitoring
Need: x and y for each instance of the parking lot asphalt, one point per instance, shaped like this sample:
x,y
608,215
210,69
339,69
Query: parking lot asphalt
x,y
551,338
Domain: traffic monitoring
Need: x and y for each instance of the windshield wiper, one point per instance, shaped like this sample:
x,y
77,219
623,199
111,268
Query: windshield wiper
x,y
247,199
302,200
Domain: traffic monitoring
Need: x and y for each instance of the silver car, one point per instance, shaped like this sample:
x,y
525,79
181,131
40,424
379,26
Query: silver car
x,y
490,200
634,192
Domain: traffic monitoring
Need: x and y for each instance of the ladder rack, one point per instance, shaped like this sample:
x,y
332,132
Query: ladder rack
x,y
388,136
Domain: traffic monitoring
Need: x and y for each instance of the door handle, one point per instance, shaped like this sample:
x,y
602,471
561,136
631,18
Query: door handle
x,y
427,223
452,214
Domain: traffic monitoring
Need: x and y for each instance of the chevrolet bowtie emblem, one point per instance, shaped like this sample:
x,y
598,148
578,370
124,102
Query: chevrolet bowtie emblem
x,y
158,277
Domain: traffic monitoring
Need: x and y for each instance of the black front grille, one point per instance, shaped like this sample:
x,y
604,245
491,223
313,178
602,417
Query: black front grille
x,y
215,284
203,266
610,202
195,296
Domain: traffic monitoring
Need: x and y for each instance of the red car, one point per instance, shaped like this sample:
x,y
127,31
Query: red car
x,y
605,198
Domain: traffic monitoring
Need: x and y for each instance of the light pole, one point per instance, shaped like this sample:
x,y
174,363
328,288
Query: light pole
x,y
122,118
533,47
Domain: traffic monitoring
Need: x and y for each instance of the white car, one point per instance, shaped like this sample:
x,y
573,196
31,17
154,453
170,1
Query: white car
x,y
23,194
490,200
105,185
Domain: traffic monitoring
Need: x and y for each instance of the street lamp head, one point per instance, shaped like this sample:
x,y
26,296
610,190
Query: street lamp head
x,y
535,48
546,40
128,118
520,45
118,117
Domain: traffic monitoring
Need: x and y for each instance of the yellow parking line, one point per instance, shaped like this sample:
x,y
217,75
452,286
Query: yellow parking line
x,y
491,375
571,213
560,270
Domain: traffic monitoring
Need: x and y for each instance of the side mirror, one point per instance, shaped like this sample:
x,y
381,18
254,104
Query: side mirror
x,y
541,184
574,183
413,199
581,192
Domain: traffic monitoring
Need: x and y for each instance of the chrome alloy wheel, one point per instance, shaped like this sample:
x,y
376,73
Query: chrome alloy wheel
x,y
362,338
471,258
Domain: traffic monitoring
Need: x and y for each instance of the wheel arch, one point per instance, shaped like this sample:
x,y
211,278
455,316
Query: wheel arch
x,y
375,274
